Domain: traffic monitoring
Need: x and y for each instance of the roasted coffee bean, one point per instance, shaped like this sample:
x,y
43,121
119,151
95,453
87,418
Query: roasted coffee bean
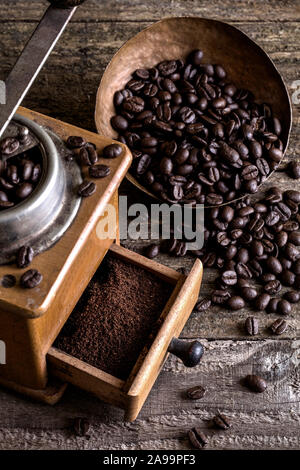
x,y
24,256
197,438
255,383
6,204
287,278
74,142
274,265
235,302
88,155
36,173
86,189
229,278
284,307
272,305
99,171
219,297
273,287
261,301
279,326
152,251
31,278
291,252
196,393
8,281
294,169
292,296
243,271
248,293
251,326
203,305
9,145
81,426
26,170
24,190
221,421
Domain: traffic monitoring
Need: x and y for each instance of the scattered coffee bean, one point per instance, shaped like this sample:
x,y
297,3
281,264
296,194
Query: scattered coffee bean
x,y
248,293
272,305
284,307
273,287
196,393
99,171
251,326
279,326
74,142
25,256
31,278
203,305
197,438
112,151
235,302
152,251
81,426
86,189
221,421
8,281
262,301
294,169
292,296
255,383
88,155
229,278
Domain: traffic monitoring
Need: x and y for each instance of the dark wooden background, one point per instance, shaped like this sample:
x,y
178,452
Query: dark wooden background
x,y
66,90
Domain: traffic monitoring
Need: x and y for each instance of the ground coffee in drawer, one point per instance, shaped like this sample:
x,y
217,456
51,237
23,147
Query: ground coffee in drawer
x,y
113,319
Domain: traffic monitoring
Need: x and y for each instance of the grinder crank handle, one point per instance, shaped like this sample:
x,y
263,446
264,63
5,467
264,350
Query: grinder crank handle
x,y
34,55
190,352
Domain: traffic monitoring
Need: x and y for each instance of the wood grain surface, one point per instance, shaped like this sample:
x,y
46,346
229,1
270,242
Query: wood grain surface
x,y
66,90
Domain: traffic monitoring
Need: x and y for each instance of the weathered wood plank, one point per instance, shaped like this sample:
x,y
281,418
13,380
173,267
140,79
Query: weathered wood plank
x,y
128,10
266,421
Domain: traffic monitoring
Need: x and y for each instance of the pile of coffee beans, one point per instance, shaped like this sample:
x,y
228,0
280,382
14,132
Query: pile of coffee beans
x,y
194,135
19,175
255,248
255,242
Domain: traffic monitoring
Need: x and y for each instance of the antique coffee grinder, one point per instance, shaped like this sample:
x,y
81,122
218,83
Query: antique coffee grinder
x,y
60,226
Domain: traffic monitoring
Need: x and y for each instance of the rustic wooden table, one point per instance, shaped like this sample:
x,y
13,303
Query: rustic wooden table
x,y
66,90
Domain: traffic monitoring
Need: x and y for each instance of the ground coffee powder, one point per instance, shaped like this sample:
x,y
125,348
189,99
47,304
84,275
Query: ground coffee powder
x,y
113,319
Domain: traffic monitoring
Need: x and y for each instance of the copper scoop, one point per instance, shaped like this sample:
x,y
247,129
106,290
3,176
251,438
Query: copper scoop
x,y
247,65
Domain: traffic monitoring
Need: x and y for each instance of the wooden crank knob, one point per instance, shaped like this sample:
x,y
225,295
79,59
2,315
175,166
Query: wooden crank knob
x,y
190,352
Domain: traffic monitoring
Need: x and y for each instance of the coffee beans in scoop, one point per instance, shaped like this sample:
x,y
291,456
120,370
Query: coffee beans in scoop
x,y
195,136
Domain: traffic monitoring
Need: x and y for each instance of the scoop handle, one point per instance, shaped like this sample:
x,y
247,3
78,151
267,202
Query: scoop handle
x,y
190,352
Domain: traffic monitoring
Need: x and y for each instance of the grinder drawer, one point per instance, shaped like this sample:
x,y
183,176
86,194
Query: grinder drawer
x,y
131,393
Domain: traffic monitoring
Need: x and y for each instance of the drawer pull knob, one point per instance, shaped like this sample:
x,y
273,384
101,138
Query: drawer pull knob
x,y
190,352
